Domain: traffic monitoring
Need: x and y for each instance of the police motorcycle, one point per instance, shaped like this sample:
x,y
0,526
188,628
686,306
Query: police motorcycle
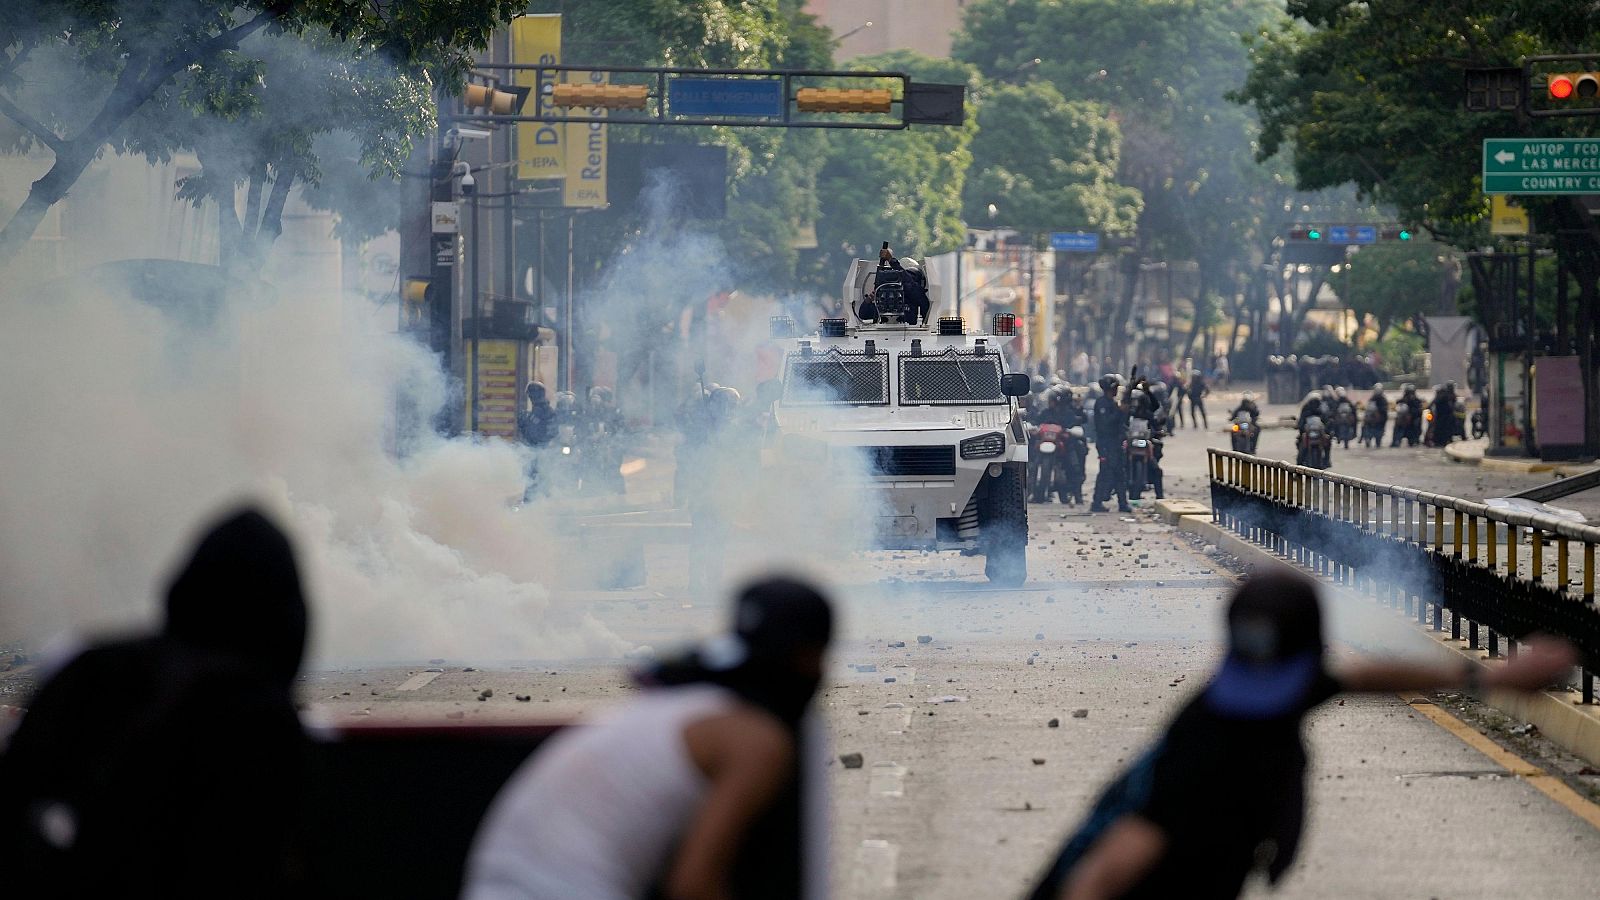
x,y
1243,432
1407,418
1371,426
1141,446
1480,419
1344,420
1315,445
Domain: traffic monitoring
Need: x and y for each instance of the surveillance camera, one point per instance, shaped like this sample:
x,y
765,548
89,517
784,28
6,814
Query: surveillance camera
x,y
478,134
468,185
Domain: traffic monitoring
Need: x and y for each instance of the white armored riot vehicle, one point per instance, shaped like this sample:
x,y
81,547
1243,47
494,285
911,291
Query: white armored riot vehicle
x,y
922,416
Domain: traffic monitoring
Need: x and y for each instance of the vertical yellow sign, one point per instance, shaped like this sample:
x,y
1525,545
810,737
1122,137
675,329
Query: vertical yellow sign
x,y
586,155
1505,217
536,40
499,388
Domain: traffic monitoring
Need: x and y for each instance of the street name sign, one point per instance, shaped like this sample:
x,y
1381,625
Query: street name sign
x,y
1075,241
725,97
1537,166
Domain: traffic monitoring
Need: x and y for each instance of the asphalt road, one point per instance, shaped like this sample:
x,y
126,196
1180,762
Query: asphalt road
x,y
966,789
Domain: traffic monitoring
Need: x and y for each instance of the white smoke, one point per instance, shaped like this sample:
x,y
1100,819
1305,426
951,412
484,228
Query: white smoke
x,y
126,426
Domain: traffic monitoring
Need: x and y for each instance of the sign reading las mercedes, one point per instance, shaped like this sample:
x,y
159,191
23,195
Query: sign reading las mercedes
x,y
1529,166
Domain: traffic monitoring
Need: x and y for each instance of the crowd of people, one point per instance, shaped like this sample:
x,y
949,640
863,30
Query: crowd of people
x,y
577,447
175,763
1127,422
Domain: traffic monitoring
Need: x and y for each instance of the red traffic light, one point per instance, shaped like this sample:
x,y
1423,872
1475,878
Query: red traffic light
x,y
1570,85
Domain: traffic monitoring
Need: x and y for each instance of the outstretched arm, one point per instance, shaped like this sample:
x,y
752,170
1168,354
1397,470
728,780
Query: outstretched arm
x,y
1541,663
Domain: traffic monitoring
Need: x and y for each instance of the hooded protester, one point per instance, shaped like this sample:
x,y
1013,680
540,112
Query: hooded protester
x,y
171,764
696,788
1222,792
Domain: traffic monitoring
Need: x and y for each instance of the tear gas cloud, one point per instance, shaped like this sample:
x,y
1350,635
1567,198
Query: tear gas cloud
x,y
127,425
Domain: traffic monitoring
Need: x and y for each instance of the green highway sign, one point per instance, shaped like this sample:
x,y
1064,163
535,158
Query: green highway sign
x,y
1539,166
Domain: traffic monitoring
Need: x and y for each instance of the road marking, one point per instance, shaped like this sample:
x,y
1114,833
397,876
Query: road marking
x,y
876,865
1541,781
888,779
419,680
899,717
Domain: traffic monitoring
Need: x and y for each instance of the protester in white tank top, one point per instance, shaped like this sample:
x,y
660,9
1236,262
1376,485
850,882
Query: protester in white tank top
x,y
655,798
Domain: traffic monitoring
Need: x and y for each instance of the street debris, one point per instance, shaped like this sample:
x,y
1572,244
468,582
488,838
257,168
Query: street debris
x,y
1080,714
851,760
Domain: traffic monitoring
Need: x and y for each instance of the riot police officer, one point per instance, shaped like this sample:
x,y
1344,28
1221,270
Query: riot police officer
x,y
1110,429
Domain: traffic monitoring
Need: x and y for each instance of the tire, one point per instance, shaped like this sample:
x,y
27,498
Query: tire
x,y
1138,477
1003,529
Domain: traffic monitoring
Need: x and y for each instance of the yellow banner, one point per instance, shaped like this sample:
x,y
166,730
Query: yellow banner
x,y
536,40
1505,217
586,155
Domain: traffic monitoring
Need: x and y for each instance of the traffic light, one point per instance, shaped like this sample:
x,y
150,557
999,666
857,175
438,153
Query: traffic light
x,y
1396,233
603,96
1570,85
499,100
1305,233
843,100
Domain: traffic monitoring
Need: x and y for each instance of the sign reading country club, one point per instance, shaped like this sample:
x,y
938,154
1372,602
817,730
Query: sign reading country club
x,y
1529,166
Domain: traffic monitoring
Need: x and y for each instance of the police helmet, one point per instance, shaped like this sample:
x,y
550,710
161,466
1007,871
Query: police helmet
x,y
600,394
910,265
1408,387
536,392
1249,396
1377,388
1039,384
1108,383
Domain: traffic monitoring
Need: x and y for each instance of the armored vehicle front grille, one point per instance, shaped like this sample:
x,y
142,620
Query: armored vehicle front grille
x,y
950,379
922,460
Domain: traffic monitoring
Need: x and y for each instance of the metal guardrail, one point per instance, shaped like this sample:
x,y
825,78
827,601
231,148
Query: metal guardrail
x,y
1437,556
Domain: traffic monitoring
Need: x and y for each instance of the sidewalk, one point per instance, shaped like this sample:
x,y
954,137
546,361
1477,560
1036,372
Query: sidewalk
x,y
1472,453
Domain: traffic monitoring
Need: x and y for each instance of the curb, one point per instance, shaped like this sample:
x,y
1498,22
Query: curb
x,y
1557,714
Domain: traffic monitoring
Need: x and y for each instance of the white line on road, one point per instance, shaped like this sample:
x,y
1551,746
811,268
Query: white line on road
x,y
876,867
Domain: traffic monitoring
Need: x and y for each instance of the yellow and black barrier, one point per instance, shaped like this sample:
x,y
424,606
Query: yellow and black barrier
x,y
1483,569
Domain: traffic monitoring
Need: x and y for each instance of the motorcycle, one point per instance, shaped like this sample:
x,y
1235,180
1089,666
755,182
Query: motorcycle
x,y
1141,450
1372,427
1315,445
1048,450
1405,424
1344,423
1244,433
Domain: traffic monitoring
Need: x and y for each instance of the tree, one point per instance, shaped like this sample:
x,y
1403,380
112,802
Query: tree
x,y
903,187
1163,69
74,74
1047,164
1391,282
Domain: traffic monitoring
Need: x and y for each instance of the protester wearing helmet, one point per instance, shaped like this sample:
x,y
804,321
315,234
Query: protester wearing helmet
x,y
915,283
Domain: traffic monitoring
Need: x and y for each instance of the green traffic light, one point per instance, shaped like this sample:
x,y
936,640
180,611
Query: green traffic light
x,y
1405,235
1314,235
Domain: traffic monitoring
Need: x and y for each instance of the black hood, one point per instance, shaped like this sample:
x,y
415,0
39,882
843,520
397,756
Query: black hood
x,y
240,595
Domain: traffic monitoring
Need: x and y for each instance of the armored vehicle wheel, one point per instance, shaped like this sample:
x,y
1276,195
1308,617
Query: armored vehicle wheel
x,y
1003,528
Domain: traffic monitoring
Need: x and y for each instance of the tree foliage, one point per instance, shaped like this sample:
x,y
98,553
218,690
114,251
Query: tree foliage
x,y
154,78
1370,94
1392,282
1047,164
903,187
1163,70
